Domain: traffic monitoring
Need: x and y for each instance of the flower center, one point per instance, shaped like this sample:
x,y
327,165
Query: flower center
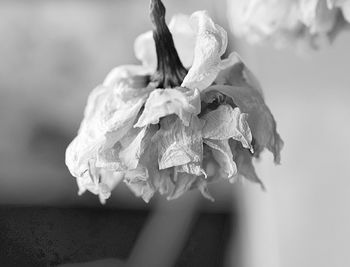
x,y
170,71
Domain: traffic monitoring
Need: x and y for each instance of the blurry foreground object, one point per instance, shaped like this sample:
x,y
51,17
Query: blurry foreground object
x,y
182,119
288,22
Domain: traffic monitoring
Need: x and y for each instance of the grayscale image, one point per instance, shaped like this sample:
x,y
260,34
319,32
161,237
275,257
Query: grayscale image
x,y
174,133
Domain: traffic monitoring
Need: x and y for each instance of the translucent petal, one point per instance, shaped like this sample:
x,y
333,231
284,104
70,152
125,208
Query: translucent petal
x,y
238,74
202,185
179,144
159,179
110,113
211,43
99,182
125,153
244,161
184,38
163,102
183,183
137,181
221,152
226,122
130,154
250,101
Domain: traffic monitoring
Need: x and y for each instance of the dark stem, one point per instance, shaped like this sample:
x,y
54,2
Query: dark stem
x,y
170,71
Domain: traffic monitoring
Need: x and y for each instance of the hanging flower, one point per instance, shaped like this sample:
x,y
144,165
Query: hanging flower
x,y
288,22
160,128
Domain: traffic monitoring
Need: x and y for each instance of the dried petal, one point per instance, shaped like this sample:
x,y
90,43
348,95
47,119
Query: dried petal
x,y
250,101
226,122
179,144
183,183
99,182
109,115
221,152
211,43
202,185
244,163
163,102
137,181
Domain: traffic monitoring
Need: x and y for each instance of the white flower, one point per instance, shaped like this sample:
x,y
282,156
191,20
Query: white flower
x,y
171,140
287,22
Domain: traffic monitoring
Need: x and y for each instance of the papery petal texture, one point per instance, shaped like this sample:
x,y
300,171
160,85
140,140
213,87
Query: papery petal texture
x,y
244,162
163,102
172,140
110,113
211,43
226,122
250,101
179,144
223,155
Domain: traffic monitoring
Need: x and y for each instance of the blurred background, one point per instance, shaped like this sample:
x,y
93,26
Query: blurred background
x,y
53,53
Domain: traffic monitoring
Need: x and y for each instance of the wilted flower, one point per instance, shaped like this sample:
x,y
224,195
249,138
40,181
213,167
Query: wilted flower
x,y
288,22
160,128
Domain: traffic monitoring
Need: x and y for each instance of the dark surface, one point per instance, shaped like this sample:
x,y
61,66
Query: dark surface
x,y
50,236
206,246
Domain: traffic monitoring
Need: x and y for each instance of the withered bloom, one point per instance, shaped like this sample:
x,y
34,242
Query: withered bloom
x,y
182,119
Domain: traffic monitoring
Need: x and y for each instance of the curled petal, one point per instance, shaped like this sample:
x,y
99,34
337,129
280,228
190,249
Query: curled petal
x,y
202,185
163,184
179,144
125,153
184,38
210,165
237,73
221,152
110,113
99,182
226,122
192,168
244,163
78,154
137,181
163,102
159,179
249,99
210,45
185,182
134,147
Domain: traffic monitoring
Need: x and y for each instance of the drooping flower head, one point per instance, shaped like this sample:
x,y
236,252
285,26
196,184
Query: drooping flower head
x,y
288,22
182,119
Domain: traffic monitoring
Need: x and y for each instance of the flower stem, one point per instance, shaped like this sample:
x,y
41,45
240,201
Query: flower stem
x,y
170,71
